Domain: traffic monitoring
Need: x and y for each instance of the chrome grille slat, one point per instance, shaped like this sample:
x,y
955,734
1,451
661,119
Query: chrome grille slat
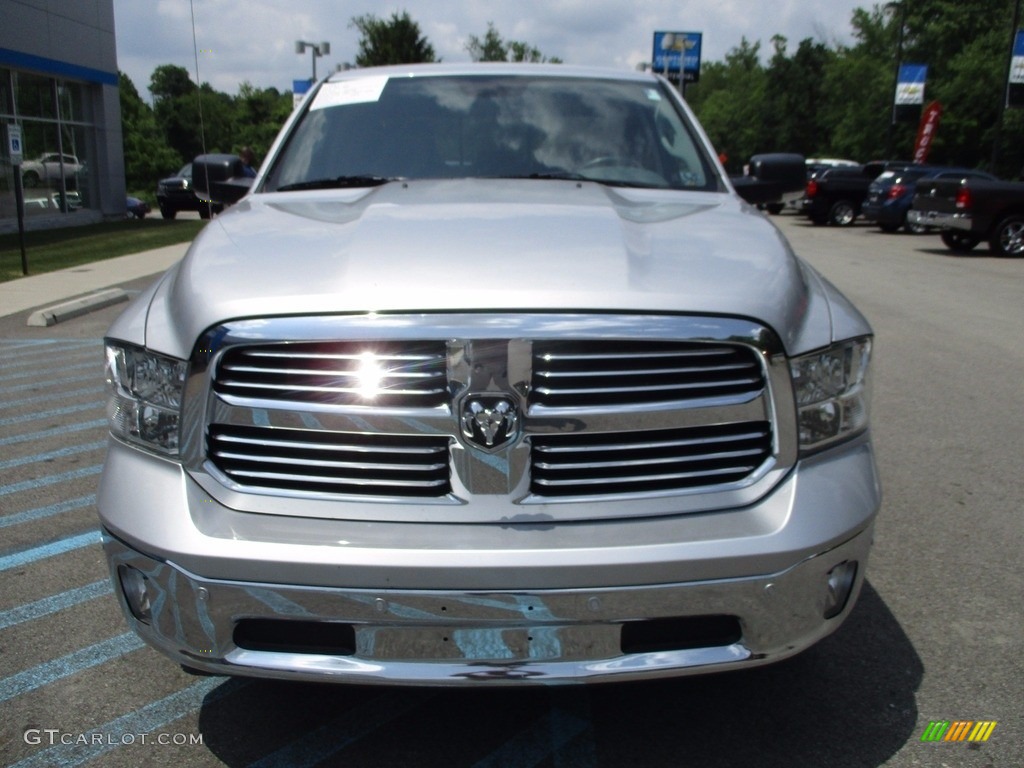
x,y
651,461
628,463
580,374
643,372
675,476
622,446
332,480
337,390
411,374
571,391
307,462
311,446
315,461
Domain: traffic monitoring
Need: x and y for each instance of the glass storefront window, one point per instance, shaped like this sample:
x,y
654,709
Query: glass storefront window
x,y
56,140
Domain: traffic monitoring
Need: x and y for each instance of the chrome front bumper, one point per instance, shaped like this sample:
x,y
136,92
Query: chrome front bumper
x,y
487,638
246,594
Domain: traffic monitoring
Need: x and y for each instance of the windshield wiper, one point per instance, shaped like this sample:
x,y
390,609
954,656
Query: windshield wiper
x,y
339,182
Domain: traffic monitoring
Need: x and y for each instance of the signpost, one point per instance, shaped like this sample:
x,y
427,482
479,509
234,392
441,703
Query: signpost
x,y
15,152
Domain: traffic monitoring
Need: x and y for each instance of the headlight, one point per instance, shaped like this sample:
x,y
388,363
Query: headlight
x,y
145,397
831,388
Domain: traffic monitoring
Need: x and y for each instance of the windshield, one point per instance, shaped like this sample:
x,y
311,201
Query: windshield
x,y
370,130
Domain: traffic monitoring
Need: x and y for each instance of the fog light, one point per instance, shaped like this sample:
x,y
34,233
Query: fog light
x,y
135,586
840,585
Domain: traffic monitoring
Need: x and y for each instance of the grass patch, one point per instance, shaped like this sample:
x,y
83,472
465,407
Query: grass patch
x,y
52,249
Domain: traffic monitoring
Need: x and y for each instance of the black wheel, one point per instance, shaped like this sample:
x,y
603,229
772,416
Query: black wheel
x,y
204,212
168,213
1008,236
889,227
30,178
842,213
961,242
774,208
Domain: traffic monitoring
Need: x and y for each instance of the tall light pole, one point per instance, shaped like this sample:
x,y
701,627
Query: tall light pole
x,y
319,49
900,9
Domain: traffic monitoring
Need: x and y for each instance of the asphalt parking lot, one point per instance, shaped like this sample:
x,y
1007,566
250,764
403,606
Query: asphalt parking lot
x,y
938,633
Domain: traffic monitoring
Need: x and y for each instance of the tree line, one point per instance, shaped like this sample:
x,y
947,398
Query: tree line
x,y
817,100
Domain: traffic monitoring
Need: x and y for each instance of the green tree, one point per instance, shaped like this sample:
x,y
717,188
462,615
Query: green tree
x,y
258,115
493,48
794,93
194,119
395,41
147,156
730,102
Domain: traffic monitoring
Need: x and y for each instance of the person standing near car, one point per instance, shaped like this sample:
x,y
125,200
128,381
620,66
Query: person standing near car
x,y
247,161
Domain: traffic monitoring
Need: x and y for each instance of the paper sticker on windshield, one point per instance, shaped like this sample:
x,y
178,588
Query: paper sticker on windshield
x,y
653,95
361,91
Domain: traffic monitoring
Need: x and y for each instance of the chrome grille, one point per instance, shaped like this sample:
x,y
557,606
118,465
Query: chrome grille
x,y
331,462
610,407
382,374
647,461
625,373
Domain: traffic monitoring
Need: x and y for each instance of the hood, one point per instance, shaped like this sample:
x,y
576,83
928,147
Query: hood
x,y
483,245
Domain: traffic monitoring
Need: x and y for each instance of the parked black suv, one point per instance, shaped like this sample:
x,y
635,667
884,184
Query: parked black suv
x,y
178,194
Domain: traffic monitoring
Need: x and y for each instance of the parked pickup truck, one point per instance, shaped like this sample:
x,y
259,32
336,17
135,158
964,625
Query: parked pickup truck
x,y
490,377
972,210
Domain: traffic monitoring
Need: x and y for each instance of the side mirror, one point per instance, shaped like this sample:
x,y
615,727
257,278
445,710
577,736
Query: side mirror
x,y
770,177
219,178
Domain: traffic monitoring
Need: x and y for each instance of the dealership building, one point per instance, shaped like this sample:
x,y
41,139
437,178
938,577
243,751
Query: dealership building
x,y
59,85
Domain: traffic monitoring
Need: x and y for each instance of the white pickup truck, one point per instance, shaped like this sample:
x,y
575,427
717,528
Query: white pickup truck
x,y
490,377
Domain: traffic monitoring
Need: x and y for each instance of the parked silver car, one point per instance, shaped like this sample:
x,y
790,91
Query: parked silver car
x,y
491,378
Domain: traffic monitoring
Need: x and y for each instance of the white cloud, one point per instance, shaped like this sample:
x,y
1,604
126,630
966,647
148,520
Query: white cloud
x,y
254,40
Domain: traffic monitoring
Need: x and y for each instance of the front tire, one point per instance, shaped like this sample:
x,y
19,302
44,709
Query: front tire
x,y
168,213
1008,236
960,242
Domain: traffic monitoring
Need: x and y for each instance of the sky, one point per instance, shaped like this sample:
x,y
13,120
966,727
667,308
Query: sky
x,y
253,41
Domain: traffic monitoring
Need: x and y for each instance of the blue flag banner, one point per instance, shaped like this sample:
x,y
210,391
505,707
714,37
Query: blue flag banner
x,y
910,84
1015,86
1017,62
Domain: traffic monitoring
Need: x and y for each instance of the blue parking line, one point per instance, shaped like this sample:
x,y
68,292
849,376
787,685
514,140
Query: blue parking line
x,y
97,364
53,412
67,395
37,360
60,453
59,547
153,717
317,745
36,385
535,744
50,510
45,433
57,669
72,597
26,485
47,342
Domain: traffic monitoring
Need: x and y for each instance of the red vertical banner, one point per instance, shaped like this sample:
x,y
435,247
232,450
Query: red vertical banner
x,y
926,131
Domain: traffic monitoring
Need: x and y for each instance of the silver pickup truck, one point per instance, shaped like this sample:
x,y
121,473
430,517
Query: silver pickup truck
x,y
491,377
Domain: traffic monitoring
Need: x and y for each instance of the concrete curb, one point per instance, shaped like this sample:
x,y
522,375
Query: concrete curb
x,y
76,307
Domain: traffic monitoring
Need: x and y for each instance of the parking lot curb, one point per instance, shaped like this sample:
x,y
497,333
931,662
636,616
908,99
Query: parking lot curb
x,y
67,310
